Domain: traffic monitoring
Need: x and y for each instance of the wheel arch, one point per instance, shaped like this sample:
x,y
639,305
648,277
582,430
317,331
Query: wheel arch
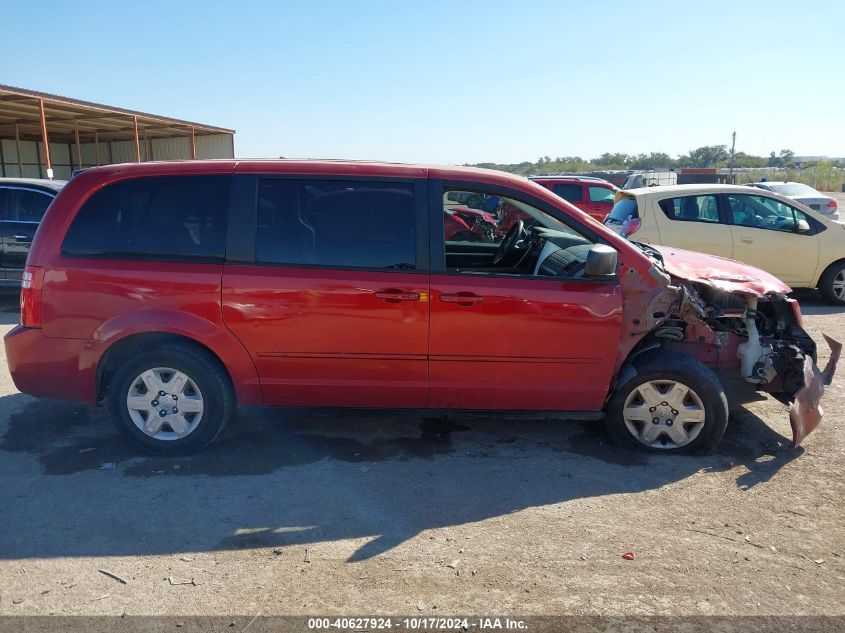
x,y
824,270
128,334
626,371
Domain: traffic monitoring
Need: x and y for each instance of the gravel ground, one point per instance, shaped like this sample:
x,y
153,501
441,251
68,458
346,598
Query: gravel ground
x,y
297,513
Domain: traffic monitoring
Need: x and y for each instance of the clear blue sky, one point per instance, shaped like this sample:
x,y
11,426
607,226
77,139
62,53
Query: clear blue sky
x,y
452,82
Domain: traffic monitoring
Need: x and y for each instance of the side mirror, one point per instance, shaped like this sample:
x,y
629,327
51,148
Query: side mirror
x,y
601,262
803,226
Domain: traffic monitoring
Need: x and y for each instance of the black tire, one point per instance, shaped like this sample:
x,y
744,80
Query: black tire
x,y
203,369
669,366
826,284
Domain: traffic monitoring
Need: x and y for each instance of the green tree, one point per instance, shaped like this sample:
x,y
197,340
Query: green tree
x,y
741,159
612,161
786,158
707,156
652,160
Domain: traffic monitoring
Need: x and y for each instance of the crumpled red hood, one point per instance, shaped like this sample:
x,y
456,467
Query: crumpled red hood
x,y
722,273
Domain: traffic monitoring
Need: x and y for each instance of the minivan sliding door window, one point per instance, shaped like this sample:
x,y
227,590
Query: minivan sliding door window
x,y
336,223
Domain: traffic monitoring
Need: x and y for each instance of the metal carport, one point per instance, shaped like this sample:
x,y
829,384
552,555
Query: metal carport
x,y
44,135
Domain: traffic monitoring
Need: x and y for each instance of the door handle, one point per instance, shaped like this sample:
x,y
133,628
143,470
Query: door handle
x,y
397,296
462,298
746,240
20,237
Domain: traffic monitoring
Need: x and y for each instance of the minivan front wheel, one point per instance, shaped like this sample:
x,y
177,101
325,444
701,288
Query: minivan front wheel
x,y
672,403
173,399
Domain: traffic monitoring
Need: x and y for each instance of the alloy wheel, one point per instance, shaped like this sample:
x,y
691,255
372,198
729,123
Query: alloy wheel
x,y
839,286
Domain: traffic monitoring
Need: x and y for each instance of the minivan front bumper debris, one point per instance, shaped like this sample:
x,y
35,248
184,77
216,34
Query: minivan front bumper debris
x,y
806,412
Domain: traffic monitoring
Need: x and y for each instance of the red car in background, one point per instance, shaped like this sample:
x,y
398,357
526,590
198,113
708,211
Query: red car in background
x,y
469,225
594,196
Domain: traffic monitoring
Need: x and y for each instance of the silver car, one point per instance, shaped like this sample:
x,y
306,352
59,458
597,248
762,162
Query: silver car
x,y
804,194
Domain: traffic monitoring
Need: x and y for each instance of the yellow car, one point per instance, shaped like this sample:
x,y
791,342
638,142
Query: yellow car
x,y
801,247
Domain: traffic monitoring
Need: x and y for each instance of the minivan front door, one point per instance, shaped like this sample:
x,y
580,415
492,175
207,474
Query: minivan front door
x,y
517,341
331,298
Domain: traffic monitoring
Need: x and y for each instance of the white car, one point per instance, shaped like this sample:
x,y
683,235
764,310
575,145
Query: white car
x,y
803,248
804,194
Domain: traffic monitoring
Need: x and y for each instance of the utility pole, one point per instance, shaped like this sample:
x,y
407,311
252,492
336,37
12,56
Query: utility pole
x,y
731,164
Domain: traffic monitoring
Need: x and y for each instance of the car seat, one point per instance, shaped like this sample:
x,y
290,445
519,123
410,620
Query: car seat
x,y
689,208
284,232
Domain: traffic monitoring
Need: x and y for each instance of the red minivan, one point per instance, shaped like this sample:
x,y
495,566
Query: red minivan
x,y
175,292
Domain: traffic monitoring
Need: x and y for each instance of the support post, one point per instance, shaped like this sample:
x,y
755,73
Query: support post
x,y
18,148
731,169
97,146
137,142
45,140
193,143
78,147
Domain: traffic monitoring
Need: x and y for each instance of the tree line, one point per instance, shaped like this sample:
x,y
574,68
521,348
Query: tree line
x,y
707,156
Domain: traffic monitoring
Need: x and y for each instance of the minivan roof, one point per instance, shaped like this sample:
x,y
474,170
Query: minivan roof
x,y
310,166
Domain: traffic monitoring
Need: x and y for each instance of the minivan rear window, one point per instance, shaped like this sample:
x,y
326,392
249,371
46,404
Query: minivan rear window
x,y
165,217
623,209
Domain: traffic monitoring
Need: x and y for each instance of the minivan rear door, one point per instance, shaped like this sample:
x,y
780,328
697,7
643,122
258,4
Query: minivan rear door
x,y
326,285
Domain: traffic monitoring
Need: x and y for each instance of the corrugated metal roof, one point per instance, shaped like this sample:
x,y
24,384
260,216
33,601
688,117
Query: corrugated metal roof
x,y
66,117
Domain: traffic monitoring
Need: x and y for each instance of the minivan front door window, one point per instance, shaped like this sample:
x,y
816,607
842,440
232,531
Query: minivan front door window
x,y
492,234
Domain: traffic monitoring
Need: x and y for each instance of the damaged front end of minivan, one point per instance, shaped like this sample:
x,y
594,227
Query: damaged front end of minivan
x,y
739,320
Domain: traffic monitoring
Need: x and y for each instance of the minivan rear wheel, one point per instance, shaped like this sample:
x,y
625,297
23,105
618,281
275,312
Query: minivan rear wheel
x,y
171,400
671,403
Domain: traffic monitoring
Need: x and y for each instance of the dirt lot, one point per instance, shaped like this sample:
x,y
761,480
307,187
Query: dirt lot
x,y
300,513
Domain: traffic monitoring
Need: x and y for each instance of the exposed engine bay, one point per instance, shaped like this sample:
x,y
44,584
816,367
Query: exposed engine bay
x,y
730,322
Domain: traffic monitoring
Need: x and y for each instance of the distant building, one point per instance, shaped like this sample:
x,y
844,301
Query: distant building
x,y
44,135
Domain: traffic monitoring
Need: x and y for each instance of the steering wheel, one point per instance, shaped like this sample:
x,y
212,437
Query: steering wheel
x,y
509,243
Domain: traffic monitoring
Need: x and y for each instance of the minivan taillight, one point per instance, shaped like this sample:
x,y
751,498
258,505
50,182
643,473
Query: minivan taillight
x,y
31,282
